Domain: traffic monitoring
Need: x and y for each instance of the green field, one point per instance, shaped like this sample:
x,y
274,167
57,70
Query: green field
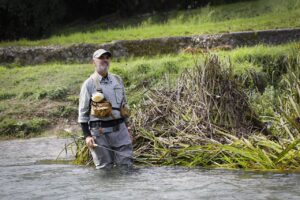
x,y
245,16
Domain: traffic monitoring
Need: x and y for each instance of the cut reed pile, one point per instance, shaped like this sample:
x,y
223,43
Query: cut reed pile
x,y
206,101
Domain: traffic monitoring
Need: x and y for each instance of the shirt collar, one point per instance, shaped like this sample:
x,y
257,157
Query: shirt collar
x,y
108,77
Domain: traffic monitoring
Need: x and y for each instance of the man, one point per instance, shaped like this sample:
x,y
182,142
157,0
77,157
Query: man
x,y
107,137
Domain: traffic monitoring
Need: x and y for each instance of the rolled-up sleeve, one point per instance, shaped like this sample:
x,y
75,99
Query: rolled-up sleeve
x,y
84,103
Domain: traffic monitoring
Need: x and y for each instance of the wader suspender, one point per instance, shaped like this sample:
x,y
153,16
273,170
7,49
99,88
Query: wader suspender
x,y
97,84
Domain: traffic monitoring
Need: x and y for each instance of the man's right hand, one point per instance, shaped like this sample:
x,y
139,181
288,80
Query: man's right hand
x,y
90,142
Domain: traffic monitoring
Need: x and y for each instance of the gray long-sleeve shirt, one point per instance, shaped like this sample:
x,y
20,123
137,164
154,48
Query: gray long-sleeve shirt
x,y
113,90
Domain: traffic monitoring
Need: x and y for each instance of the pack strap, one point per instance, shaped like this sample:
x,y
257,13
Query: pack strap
x,y
96,82
98,87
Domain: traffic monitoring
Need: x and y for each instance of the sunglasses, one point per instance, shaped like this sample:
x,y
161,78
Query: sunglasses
x,y
102,57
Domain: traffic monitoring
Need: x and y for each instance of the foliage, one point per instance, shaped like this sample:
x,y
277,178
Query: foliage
x,y
16,128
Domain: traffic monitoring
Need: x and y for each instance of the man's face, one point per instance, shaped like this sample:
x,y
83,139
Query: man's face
x,y
102,63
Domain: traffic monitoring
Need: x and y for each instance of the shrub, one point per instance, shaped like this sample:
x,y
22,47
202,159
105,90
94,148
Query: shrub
x,y
13,127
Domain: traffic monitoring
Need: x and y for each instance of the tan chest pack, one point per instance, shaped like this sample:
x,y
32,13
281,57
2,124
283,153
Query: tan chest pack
x,y
100,107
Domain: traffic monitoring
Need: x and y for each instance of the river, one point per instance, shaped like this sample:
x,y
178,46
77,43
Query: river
x,y
26,174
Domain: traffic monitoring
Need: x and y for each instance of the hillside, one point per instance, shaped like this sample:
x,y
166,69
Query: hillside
x,y
244,16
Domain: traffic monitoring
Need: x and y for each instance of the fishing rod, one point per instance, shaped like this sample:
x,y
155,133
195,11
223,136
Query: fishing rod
x,y
101,146
118,152
104,147
122,154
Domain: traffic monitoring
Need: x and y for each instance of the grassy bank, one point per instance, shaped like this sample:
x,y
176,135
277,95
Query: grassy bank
x,y
252,15
37,98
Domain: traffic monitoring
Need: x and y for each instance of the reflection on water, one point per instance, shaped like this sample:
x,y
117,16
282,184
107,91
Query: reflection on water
x,y
22,177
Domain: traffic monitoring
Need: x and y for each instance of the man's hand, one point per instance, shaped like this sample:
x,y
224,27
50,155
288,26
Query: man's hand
x,y
90,142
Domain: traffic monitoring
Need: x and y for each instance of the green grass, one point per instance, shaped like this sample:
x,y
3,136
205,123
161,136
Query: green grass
x,y
252,15
51,90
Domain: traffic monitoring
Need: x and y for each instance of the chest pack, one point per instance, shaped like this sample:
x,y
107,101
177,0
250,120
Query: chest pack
x,y
100,107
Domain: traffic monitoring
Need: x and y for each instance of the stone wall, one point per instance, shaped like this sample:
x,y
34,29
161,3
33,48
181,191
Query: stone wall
x,y
146,47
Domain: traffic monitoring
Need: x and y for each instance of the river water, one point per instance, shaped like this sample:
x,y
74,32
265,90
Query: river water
x,y
26,175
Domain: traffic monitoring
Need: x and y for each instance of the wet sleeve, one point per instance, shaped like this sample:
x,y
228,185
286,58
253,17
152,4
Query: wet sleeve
x,y
84,104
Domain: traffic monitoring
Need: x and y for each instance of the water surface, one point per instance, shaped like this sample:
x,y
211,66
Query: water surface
x,y
25,175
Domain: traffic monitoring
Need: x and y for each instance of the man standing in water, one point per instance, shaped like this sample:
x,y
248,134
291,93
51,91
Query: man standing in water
x,y
103,115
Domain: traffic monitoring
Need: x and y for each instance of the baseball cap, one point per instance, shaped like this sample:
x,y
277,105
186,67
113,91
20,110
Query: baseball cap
x,y
100,52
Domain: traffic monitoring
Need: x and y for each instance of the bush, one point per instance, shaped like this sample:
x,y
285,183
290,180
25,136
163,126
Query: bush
x,y
65,111
15,128
273,65
25,94
74,99
41,94
5,95
171,67
54,94
143,68
58,93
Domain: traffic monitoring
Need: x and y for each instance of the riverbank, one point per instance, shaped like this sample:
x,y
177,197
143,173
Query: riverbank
x,y
41,97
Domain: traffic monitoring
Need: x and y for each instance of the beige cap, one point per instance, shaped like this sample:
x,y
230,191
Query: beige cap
x,y
100,52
